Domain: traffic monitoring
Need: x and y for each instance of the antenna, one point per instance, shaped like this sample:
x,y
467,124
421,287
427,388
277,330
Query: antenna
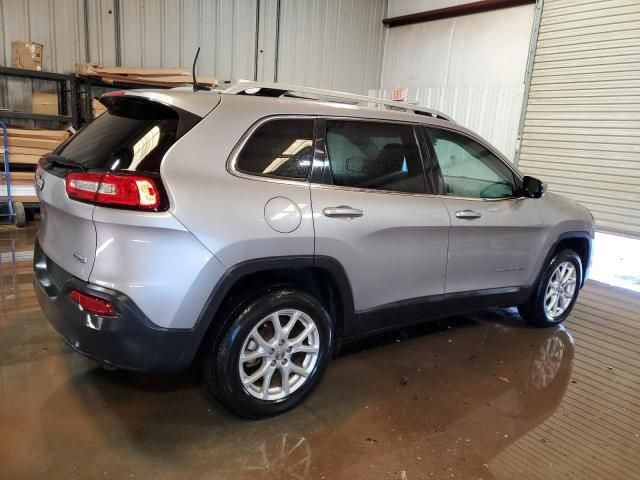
x,y
196,87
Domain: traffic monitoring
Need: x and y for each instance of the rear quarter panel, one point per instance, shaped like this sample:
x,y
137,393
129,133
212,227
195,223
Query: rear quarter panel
x,y
226,212
157,262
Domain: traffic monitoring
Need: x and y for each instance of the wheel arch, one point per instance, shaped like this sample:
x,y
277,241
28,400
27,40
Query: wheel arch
x,y
323,277
578,241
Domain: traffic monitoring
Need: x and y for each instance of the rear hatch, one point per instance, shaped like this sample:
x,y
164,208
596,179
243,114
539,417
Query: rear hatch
x,y
130,138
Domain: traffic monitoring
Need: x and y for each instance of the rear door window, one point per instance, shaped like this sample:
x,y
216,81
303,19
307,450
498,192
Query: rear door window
x,y
279,148
374,155
134,134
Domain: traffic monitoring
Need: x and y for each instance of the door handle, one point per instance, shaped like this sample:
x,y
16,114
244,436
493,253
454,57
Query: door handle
x,y
468,214
342,212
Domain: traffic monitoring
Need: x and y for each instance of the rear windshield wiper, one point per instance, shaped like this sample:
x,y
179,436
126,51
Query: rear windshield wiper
x,y
60,161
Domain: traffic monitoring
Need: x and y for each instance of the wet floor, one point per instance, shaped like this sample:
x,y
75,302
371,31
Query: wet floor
x,y
477,397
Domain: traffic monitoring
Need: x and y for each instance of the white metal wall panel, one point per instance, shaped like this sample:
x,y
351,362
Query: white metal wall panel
x,y
102,32
491,111
460,51
335,44
267,40
582,125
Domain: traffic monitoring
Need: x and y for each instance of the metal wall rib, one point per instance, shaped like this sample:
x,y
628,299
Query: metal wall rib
x,y
582,125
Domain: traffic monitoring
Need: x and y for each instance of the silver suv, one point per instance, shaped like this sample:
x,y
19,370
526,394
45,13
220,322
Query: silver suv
x,y
255,229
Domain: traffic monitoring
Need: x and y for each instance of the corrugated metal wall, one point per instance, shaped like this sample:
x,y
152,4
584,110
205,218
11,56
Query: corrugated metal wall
x,y
491,111
337,44
325,43
582,126
166,33
58,24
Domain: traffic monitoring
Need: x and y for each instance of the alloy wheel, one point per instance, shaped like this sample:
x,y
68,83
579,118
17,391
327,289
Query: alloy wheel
x,y
279,354
560,290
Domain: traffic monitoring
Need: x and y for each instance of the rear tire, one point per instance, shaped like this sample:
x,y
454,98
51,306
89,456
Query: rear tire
x,y
257,369
556,292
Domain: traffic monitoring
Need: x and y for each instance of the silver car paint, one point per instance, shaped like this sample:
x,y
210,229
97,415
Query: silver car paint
x,y
498,249
67,233
234,229
224,211
154,260
559,215
396,251
169,263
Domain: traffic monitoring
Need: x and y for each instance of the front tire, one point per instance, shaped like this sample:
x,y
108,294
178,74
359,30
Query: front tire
x,y
556,292
272,355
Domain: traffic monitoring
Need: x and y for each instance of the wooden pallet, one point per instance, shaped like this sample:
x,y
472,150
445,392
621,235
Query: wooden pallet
x,y
18,178
161,77
27,146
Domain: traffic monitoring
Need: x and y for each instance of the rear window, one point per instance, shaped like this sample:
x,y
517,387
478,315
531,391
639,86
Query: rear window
x,y
134,134
279,148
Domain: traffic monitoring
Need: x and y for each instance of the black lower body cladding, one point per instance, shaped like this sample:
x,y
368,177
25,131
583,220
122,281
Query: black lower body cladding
x,y
126,340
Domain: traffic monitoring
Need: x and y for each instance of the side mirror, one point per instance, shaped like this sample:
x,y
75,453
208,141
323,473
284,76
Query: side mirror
x,y
532,187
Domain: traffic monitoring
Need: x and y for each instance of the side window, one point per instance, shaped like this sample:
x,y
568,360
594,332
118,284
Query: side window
x,y
281,148
469,169
374,155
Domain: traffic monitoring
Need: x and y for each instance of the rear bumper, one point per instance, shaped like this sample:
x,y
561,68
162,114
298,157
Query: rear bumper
x,y
126,340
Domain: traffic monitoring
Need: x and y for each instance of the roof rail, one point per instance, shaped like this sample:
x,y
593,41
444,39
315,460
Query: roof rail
x,y
282,90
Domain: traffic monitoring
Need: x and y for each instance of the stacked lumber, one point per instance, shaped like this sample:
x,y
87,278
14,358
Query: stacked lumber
x,y
27,146
22,189
160,77
25,149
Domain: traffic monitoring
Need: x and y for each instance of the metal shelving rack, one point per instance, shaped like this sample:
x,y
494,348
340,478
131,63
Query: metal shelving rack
x,y
67,90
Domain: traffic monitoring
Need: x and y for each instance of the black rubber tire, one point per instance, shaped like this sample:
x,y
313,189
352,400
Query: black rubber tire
x,y
220,355
20,214
533,310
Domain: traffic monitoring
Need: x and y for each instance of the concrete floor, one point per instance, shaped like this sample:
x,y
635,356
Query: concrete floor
x,y
478,397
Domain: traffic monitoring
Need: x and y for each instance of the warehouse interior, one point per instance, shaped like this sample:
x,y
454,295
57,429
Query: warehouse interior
x,y
552,85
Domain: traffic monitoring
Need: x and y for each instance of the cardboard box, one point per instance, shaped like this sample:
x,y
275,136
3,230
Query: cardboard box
x,y
26,55
44,103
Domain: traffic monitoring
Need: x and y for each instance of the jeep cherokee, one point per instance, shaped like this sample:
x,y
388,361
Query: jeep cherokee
x,y
255,228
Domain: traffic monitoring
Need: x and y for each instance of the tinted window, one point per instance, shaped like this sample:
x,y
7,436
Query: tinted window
x,y
374,155
133,135
469,169
279,148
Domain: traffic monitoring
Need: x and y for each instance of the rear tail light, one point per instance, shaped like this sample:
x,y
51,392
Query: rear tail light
x,y
91,304
114,189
